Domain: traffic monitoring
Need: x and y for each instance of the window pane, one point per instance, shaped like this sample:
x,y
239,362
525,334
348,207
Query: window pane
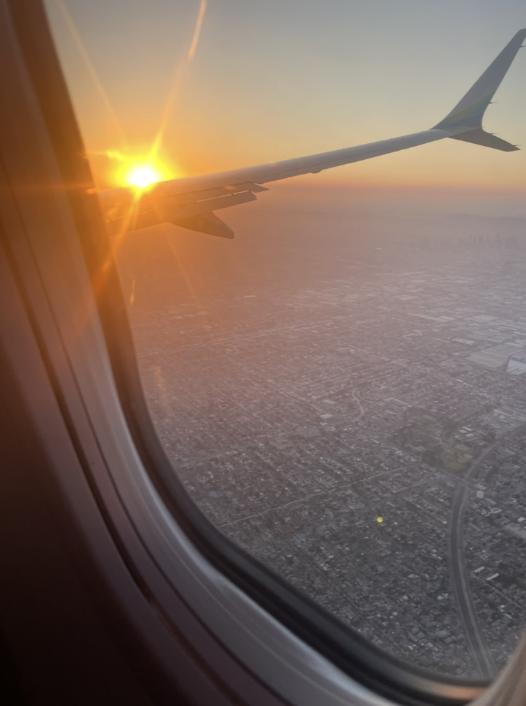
x,y
341,387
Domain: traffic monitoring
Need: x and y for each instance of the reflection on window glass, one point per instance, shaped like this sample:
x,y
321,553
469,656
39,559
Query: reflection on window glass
x,y
341,388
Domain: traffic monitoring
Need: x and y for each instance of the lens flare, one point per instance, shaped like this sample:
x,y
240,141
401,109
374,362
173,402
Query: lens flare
x,y
143,176
138,169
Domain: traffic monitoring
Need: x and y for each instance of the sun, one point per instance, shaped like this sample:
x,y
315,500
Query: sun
x,y
143,176
139,170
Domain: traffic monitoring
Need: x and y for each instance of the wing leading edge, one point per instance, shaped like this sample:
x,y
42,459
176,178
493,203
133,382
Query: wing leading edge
x,y
190,202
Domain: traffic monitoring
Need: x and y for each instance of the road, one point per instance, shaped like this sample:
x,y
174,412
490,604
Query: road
x,y
459,574
361,410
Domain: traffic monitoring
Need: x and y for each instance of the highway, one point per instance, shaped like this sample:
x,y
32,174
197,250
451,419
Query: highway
x,y
459,574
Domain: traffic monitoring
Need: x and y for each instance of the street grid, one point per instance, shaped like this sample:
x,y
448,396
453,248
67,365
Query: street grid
x,y
332,407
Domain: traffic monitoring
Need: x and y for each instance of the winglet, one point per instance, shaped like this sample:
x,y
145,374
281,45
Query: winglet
x,y
486,139
467,114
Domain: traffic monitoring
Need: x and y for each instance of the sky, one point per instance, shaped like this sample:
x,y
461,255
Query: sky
x,y
218,84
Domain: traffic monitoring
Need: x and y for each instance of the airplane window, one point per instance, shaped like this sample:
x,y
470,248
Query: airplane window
x,y
341,386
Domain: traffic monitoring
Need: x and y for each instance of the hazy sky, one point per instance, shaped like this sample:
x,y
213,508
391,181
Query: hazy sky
x,y
275,79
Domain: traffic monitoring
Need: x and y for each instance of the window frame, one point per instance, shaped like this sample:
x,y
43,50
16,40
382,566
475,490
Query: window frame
x,y
262,641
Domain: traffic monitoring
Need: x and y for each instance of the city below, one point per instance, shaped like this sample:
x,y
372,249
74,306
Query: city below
x,y
348,405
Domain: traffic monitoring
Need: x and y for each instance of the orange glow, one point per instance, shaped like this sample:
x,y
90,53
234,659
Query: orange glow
x,y
138,170
142,177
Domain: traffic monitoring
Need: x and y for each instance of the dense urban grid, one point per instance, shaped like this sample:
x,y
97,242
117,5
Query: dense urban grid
x,y
350,408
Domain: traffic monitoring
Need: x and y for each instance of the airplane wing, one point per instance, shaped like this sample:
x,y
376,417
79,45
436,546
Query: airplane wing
x,y
191,202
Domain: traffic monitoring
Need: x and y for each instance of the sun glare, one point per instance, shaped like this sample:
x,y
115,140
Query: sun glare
x,y
140,170
142,177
